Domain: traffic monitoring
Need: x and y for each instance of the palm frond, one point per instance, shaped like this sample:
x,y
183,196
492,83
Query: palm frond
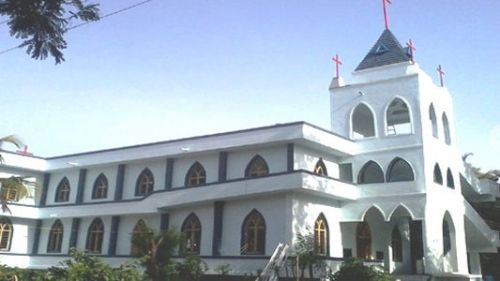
x,y
13,139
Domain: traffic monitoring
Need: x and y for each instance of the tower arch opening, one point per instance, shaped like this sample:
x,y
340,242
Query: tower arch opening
x,y
398,121
363,122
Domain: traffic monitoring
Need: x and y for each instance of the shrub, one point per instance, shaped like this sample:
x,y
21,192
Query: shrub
x,y
355,270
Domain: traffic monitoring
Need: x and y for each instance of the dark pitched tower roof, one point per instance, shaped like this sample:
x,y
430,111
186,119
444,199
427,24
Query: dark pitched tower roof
x,y
387,50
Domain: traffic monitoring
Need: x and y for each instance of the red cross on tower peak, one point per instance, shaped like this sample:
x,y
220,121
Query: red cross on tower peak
x,y
386,15
411,49
338,62
441,74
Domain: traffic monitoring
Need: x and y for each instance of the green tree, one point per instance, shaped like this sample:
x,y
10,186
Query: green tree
x,y
306,252
11,188
355,270
82,267
191,269
155,251
42,24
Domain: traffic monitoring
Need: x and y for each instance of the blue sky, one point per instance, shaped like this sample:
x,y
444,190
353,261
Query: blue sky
x,y
172,69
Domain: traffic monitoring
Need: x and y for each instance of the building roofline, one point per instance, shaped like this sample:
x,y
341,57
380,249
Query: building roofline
x,y
279,125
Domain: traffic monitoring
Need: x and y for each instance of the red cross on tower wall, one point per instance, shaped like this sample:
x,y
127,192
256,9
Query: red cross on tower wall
x,y
338,62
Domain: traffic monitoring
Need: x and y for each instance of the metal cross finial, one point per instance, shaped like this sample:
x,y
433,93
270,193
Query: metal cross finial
x,y
24,151
338,62
441,74
411,48
386,16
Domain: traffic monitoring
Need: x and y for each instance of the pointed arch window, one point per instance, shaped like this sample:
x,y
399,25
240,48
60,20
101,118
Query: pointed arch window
x,y
449,179
191,230
446,238
363,122
321,241
433,119
320,168
257,167
6,233
63,190
446,129
196,175
10,188
140,230
363,241
145,183
438,178
398,118
253,236
100,187
371,173
397,245
95,236
55,237
399,170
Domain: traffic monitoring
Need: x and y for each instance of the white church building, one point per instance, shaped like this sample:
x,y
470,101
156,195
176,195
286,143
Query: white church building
x,y
386,183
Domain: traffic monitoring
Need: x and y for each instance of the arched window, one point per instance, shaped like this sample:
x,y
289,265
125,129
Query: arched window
x,y
95,236
320,168
363,241
191,230
55,237
62,191
371,173
398,118
397,245
449,179
363,122
140,230
253,236
399,170
196,175
438,178
446,128
9,189
6,233
145,183
257,167
100,187
321,236
432,117
446,238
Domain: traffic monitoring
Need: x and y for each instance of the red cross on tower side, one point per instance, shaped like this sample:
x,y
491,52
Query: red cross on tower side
x,y
24,151
441,74
338,62
386,15
411,48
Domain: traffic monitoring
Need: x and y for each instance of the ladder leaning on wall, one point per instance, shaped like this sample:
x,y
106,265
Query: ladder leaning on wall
x,y
275,263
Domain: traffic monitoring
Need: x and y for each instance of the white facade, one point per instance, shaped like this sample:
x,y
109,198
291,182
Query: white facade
x,y
380,159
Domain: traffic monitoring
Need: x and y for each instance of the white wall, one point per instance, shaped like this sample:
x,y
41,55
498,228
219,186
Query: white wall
x,y
272,208
92,174
306,158
210,163
133,170
55,179
45,231
126,227
306,209
205,215
275,157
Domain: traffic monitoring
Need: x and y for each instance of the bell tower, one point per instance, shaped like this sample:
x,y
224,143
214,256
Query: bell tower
x,y
391,109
